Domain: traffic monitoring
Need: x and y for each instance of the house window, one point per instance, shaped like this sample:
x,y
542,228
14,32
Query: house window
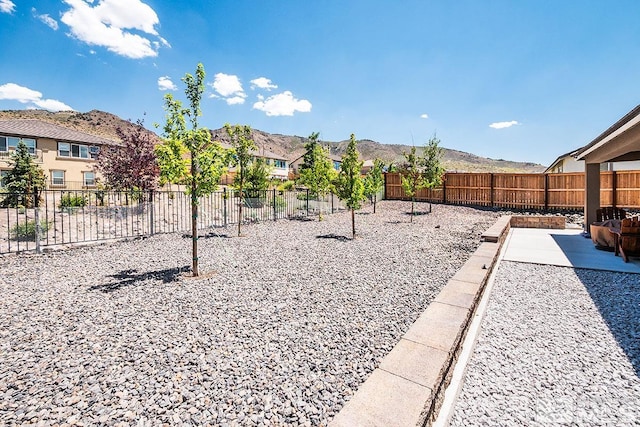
x,y
9,143
57,177
66,149
88,179
281,164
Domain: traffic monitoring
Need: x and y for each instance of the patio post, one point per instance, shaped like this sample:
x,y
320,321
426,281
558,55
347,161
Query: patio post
x,y
592,193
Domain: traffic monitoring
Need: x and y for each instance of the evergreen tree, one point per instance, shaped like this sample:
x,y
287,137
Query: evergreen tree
x,y
24,181
349,185
206,161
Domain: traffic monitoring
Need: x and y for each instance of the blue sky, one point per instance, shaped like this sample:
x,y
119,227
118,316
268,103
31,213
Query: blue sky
x,y
518,80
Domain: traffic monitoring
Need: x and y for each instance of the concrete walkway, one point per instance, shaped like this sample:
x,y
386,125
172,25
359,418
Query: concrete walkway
x,y
565,248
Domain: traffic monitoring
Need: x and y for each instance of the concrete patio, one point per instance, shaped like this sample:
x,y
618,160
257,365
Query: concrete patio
x,y
564,248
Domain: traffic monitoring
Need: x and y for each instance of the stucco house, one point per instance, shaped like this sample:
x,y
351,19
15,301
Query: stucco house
x,y
567,163
66,156
296,162
279,165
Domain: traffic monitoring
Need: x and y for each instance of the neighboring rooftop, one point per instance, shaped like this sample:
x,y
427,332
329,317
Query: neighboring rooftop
x,y
39,129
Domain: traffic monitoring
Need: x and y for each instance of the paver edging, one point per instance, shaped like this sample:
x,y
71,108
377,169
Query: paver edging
x,y
440,330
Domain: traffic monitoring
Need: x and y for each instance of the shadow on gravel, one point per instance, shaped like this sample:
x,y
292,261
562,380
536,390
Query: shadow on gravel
x,y
334,236
619,305
127,278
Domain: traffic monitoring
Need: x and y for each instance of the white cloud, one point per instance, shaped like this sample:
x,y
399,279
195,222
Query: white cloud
x,y
7,6
502,125
227,85
424,116
283,104
106,24
263,83
24,95
165,83
46,19
235,100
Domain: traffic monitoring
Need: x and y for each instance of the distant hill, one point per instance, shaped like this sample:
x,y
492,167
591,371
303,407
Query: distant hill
x,y
105,124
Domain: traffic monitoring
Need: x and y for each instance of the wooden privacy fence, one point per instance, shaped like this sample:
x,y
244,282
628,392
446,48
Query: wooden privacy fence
x,y
524,190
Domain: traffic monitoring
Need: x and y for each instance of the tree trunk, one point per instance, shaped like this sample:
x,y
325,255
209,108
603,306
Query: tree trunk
x,y
412,204
194,230
353,223
194,217
240,210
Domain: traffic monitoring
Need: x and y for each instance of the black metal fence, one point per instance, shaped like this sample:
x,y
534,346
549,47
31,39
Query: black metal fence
x,y
66,217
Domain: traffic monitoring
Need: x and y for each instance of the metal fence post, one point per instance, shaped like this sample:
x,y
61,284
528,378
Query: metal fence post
x,y
151,214
225,196
307,202
36,217
332,211
275,210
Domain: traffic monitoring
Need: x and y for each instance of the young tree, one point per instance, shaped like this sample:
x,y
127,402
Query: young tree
x,y
242,146
133,163
317,172
206,161
374,181
349,185
257,177
412,177
24,181
431,163
422,171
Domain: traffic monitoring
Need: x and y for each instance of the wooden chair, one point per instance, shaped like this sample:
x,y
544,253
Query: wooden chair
x,y
628,239
604,214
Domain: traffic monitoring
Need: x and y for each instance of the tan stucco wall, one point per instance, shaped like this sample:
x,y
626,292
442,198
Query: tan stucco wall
x,y
73,167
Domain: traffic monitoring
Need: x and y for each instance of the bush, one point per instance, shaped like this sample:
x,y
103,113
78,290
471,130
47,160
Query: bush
x,y
72,201
287,186
27,230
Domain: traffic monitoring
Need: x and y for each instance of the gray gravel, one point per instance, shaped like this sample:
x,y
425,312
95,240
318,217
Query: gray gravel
x,y
281,329
558,346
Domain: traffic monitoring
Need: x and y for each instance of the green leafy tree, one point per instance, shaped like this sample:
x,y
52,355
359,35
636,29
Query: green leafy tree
x,y
432,164
188,155
243,146
24,181
421,172
349,184
258,177
412,177
317,172
374,182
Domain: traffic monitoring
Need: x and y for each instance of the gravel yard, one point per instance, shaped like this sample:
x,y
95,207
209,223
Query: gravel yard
x,y
281,329
558,346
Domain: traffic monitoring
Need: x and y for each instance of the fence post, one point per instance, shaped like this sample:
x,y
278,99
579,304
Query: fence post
x,y
225,196
332,211
36,217
275,211
491,195
385,185
614,189
546,192
307,202
152,229
444,189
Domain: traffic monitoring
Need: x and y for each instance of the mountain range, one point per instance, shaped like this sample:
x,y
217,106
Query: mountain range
x,y
290,147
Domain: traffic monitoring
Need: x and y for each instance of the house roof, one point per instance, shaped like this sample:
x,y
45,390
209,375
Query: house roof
x,y
40,129
627,122
561,157
332,157
257,153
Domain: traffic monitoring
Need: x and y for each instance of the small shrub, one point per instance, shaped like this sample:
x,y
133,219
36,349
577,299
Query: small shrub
x,y
72,201
27,230
287,186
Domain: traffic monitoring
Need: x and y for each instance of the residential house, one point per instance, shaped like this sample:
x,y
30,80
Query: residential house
x,y
294,165
66,156
279,165
568,163
620,142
